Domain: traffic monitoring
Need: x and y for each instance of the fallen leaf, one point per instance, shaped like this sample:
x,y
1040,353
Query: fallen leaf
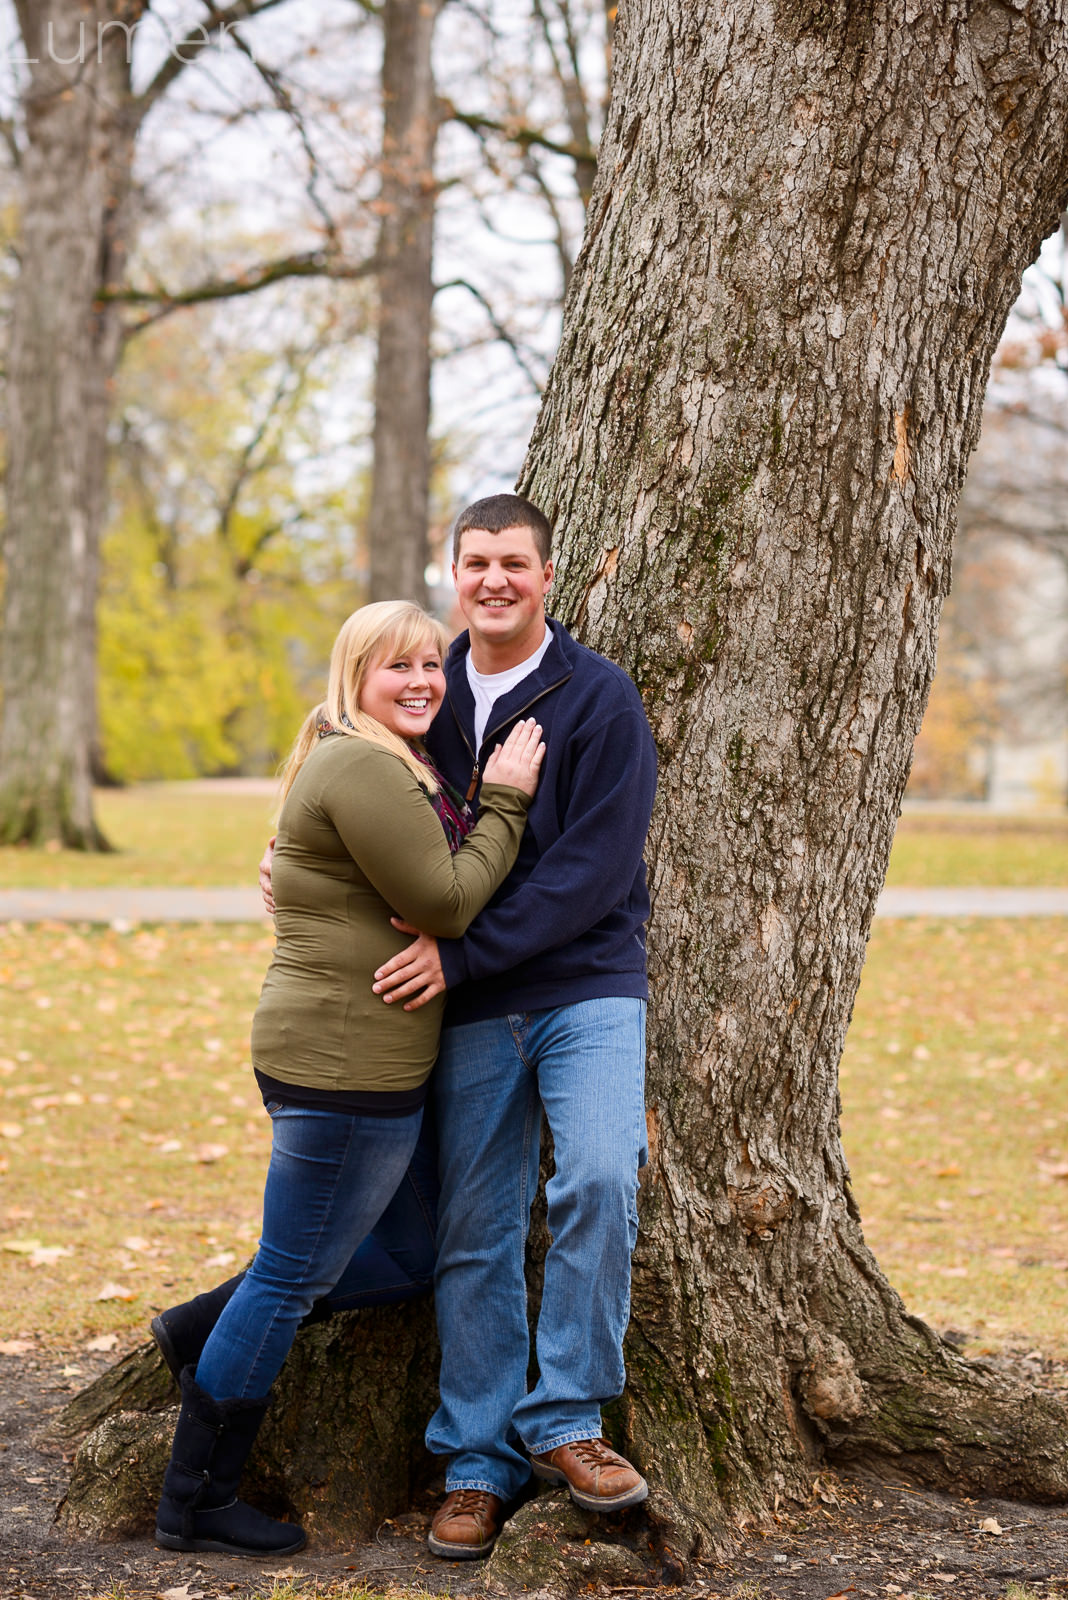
x,y
169,1148
950,1171
103,1341
184,1591
10,1130
207,1153
49,1252
225,1258
990,1525
944,1577
71,1372
22,1247
15,1347
116,1291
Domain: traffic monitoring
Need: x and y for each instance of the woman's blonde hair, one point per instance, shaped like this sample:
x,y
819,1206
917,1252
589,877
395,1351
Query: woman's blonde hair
x,y
388,629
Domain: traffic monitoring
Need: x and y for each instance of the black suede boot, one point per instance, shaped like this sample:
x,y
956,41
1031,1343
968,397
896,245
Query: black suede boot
x,y
183,1331
199,1509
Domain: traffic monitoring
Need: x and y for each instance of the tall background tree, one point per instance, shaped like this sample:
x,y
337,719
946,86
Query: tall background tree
x,y
400,475
85,287
76,164
80,122
804,240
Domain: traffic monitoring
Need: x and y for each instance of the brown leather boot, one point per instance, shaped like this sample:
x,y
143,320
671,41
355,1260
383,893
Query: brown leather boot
x,y
598,1478
466,1525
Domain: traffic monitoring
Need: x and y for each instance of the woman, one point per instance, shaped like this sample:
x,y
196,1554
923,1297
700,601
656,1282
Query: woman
x,y
367,829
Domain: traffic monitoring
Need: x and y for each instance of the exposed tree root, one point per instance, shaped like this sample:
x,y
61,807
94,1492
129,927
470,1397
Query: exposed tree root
x,y
551,1544
957,1425
342,1447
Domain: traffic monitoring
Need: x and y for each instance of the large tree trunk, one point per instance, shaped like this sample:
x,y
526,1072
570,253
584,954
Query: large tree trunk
x,y
808,226
400,478
64,347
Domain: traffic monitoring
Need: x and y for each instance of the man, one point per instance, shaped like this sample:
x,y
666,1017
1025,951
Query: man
x,y
546,1014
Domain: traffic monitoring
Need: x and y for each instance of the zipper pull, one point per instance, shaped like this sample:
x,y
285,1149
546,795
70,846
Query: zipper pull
x,y
473,785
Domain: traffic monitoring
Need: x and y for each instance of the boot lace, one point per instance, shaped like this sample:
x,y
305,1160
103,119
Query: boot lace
x,y
592,1452
469,1503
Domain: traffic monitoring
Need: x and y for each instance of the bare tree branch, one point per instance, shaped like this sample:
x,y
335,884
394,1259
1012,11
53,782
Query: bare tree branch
x,y
285,102
290,387
572,92
312,264
517,133
563,252
1040,419
500,331
219,20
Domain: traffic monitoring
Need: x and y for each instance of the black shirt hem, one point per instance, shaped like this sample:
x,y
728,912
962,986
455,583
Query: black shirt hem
x,y
348,1102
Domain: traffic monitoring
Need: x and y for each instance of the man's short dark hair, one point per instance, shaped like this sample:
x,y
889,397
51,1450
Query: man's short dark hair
x,y
500,511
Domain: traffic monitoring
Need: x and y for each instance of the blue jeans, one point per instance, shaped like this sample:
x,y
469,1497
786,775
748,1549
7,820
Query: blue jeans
x,y
396,1260
332,1179
584,1066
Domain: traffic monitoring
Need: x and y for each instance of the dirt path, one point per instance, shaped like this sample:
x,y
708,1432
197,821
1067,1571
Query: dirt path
x,y
856,1538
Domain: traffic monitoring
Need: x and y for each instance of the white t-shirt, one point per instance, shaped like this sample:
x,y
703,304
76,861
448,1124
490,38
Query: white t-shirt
x,y
490,686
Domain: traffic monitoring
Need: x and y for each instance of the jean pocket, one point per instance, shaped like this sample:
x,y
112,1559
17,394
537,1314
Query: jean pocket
x,y
273,1107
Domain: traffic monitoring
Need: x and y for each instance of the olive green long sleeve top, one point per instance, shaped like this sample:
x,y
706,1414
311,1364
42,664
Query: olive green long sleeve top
x,y
358,842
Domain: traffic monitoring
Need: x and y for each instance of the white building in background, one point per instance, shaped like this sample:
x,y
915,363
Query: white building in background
x,y
1009,614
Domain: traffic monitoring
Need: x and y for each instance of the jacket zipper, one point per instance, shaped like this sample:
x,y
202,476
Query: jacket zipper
x,y
512,717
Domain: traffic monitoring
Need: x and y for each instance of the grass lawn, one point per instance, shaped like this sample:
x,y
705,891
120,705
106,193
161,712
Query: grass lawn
x,y
955,1122
959,849
133,1144
163,834
132,1140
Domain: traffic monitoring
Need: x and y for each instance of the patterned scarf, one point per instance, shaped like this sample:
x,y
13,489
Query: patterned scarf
x,y
454,814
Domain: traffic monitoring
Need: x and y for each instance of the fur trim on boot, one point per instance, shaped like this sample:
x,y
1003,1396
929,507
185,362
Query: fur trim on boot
x,y
199,1509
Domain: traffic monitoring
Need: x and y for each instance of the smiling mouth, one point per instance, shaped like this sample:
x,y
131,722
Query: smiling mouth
x,y
497,605
415,706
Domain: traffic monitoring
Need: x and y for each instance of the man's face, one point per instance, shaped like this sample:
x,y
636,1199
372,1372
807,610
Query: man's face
x,y
501,583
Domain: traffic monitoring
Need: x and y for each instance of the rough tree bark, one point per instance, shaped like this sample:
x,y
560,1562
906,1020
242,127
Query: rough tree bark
x,y
64,345
400,476
809,224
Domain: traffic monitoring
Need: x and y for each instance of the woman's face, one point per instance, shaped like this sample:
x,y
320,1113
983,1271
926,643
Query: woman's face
x,y
404,692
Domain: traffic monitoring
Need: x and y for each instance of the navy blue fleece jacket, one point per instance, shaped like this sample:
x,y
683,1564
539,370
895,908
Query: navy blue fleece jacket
x,y
568,923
